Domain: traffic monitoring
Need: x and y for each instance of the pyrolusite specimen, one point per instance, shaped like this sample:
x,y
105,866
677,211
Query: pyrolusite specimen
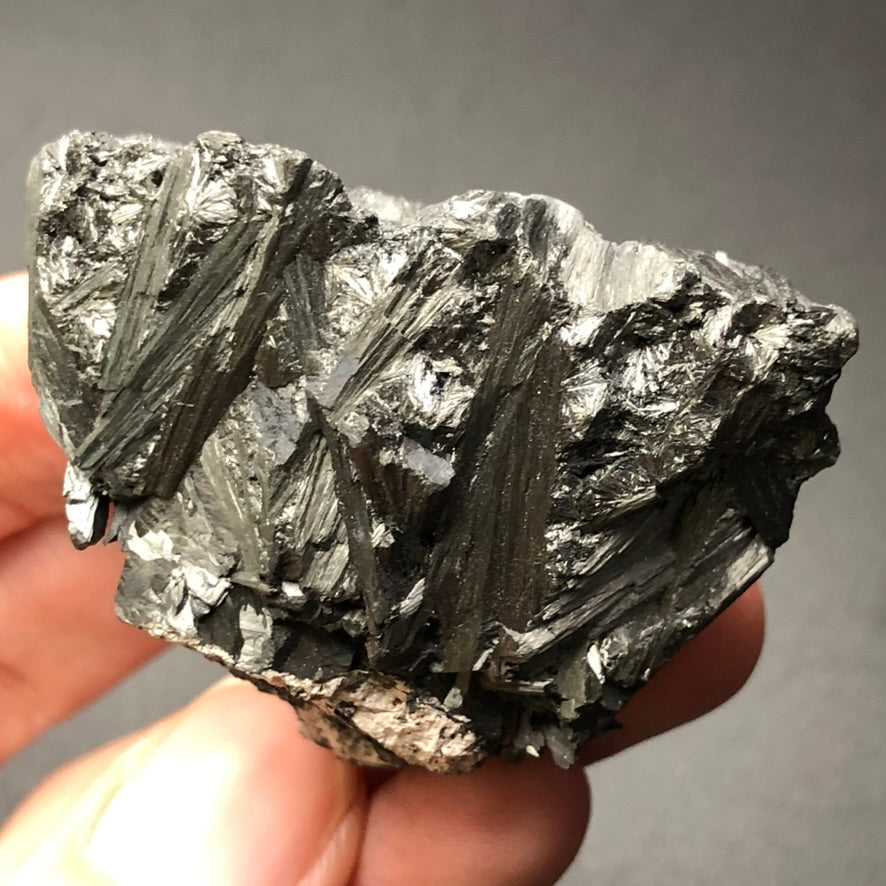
x,y
454,480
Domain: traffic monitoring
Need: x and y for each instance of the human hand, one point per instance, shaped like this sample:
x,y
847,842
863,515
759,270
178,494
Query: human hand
x,y
226,791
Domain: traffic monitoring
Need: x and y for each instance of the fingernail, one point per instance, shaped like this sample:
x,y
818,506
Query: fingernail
x,y
231,795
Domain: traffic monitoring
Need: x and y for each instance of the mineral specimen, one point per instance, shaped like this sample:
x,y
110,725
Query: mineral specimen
x,y
453,479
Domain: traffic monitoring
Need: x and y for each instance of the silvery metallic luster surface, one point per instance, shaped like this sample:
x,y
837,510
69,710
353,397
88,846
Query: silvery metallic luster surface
x,y
453,479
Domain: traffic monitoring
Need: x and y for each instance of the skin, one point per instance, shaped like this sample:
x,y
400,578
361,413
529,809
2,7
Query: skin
x,y
209,783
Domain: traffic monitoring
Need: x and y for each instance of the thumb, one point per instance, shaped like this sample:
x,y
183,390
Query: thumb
x,y
225,792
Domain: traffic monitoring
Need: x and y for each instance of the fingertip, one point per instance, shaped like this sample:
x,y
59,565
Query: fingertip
x,y
727,652
516,824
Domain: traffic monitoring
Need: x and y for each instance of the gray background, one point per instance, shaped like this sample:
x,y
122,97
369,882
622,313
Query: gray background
x,y
754,127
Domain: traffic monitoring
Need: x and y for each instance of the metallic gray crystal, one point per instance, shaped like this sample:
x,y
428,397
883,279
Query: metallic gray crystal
x,y
454,479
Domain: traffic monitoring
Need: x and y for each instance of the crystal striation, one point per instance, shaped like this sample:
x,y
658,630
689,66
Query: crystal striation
x,y
454,480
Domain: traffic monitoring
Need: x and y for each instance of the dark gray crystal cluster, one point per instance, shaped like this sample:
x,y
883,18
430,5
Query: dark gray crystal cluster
x,y
455,479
